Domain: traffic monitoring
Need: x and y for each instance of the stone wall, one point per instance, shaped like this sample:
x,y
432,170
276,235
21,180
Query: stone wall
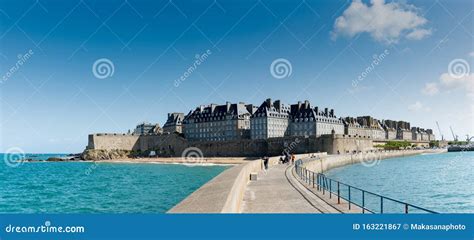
x,y
329,162
334,144
105,141
174,145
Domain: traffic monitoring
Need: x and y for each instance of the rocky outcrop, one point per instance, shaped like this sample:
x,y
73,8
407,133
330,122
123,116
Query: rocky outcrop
x,y
97,154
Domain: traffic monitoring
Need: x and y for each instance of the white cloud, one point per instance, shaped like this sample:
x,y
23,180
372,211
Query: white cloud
x,y
385,22
457,77
471,54
430,89
418,34
465,82
418,106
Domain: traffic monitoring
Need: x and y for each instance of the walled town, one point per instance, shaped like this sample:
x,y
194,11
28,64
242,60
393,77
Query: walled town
x,y
239,129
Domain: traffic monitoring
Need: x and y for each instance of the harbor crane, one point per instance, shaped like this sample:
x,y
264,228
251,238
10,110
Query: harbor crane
x,y
455,137
439,129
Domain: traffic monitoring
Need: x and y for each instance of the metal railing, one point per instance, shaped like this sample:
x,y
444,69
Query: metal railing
x,y
353,195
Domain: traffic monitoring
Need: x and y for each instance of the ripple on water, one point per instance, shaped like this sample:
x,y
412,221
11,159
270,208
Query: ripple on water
x,y
440,182
109,188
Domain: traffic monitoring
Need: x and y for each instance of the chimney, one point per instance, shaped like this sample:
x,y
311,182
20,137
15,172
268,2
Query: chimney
x,y
213,107
277,104
227,106
316,109
268,102
326,112
306,104
331,113
299,105
249,108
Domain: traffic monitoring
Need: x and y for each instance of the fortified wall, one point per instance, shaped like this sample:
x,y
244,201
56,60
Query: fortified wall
x,y
174,145
108,141
339,143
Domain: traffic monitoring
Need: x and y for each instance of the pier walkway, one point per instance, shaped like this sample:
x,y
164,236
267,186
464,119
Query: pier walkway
x,y
277,191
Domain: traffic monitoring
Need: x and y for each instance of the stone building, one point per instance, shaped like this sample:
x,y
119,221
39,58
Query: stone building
x,y
218,122
353,128
431,136
270,120
404,131
390,128
174,123
376,130
308,121
147,128
365,126
420,134
416,134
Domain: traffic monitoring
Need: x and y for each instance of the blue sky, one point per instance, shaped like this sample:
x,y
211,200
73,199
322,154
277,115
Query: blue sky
x,y
53,100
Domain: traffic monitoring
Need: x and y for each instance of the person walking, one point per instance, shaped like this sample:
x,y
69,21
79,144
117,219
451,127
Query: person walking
x,y
292,159
265,162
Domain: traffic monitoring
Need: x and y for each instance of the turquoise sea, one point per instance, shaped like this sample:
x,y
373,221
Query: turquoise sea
x,y
84,187
439,182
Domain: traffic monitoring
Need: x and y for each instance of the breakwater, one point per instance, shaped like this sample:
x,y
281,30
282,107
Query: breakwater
x,y
370,158
461,148
225,193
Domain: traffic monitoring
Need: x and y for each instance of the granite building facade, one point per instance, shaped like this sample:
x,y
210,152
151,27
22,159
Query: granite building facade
x,y
174,123
390,128
270,120
218,122
147,128
308,121
274,119
404,131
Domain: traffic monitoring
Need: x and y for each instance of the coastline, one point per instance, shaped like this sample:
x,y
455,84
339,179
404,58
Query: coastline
x,y
197,161
335,161
161,160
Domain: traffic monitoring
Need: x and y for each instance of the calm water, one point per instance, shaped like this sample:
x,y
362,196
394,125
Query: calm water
x,y
439,182
75,187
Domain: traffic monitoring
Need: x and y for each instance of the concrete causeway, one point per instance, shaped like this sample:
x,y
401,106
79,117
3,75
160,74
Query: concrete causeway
x,y
277,191
272,193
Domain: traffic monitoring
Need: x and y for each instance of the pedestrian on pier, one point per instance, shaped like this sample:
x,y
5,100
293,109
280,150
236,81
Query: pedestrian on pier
x,y
292,159
265,162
